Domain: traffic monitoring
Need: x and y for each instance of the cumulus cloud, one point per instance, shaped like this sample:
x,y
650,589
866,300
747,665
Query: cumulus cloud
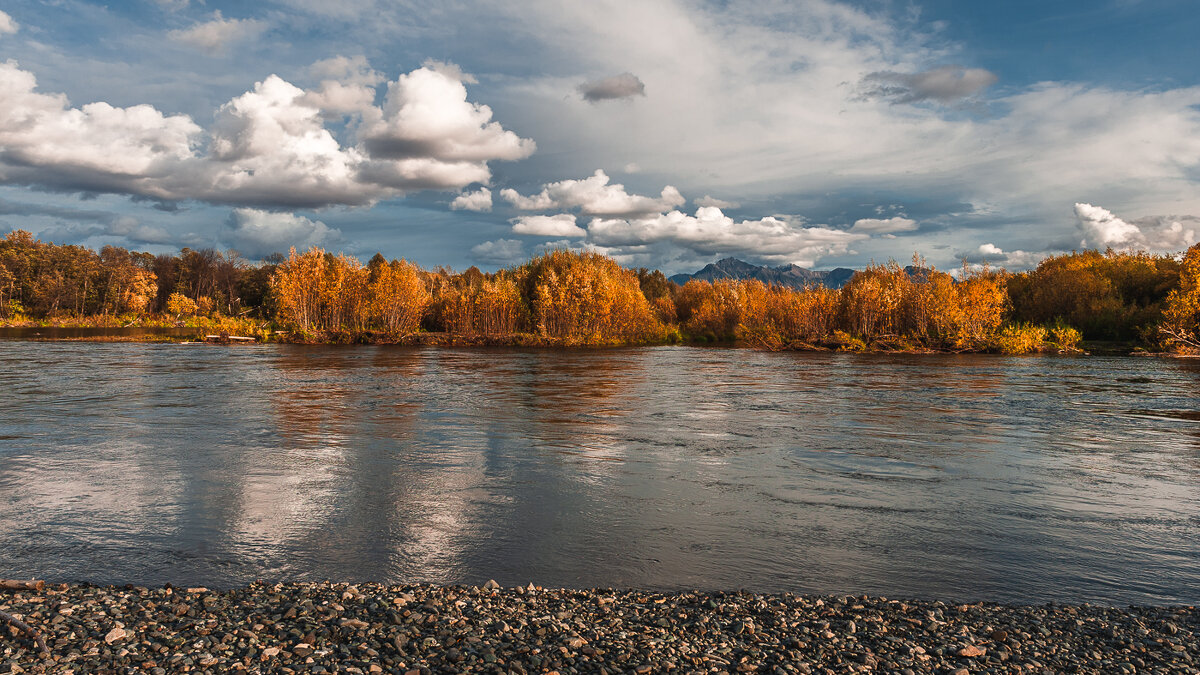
x,y
880,226
706,200
625,85
1103,229
560,225
267,148
97,148
7,24
215,35
256,233
499,252
594,196
480,200
946,84
347,86
426,115
710,232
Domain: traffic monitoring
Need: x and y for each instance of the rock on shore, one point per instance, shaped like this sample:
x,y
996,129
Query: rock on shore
x,y
419,630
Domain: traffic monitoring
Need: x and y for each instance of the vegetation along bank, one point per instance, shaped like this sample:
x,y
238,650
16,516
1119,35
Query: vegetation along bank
x,y
1134,299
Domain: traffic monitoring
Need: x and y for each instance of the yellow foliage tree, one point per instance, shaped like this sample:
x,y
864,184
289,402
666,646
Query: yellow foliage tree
x,y
587,298
1181,316
398,297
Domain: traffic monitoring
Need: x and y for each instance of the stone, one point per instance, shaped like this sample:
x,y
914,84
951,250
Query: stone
x,y
971,651
115,634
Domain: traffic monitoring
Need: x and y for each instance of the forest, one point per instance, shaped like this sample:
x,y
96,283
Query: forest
x,y
1134,299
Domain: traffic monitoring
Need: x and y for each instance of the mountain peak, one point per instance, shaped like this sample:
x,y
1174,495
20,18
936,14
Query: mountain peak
x,y
790,275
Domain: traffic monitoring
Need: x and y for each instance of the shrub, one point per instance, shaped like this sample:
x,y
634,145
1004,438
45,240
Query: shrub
x,y
181,305
1065,336
1019,339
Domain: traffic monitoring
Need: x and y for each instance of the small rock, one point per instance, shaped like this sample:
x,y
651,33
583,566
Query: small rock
x,y
114,635
491,585
971,651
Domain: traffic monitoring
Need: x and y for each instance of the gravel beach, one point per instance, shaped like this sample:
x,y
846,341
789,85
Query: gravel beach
x,y
419,630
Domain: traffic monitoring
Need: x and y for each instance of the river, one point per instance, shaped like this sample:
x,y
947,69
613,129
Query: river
x,y
1016,479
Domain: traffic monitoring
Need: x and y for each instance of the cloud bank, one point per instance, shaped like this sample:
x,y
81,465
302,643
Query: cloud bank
x,y
256,233
594,196
267,148
1102,229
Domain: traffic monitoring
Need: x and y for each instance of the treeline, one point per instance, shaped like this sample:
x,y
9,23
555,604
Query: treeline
x,y
587,299
40,280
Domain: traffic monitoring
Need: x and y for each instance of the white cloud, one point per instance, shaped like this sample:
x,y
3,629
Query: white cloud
x,y
268,147
762,102
594,196
990,254
256,233
1102,229
706,200
347,86
625,85
7,24
480,200
888,226
560,225
94,148
215,35
426,114
499,252
710,232
946,84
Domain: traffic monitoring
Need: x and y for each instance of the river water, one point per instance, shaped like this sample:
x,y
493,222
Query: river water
x,y
1015,479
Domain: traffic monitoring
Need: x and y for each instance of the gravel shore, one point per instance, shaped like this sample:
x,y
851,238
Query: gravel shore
x,y
419,630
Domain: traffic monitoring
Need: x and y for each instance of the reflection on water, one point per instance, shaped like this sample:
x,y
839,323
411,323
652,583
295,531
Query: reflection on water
x,y
1019,479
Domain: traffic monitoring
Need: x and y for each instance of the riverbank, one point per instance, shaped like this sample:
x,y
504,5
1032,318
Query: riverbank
x,y
368,628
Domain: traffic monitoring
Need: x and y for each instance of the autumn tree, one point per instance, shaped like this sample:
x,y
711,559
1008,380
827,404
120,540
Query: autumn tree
x,y
587,298
397,296
1181,317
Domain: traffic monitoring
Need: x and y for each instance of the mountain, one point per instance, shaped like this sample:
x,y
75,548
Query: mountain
x,y
791,276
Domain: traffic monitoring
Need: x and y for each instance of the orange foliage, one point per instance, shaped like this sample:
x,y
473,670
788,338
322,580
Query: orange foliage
x,y
587,298
489,306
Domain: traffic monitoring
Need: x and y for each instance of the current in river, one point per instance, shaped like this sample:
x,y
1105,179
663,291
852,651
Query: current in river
x,y
1016,479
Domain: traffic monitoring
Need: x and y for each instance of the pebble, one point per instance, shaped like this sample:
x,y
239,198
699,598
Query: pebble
x,y
422,630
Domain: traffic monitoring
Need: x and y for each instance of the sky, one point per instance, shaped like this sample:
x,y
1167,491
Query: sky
x,y
667,134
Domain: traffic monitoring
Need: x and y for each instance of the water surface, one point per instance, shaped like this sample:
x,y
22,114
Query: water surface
x,y
956,477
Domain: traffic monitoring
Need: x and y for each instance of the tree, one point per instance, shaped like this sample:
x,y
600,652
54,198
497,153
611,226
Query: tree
x,y
1181,317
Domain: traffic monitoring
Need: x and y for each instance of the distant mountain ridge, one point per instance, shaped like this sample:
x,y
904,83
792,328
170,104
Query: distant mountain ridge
x,y
790,276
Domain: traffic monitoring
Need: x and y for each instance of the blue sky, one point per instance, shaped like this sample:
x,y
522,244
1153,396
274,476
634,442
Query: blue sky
x,y
667,134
